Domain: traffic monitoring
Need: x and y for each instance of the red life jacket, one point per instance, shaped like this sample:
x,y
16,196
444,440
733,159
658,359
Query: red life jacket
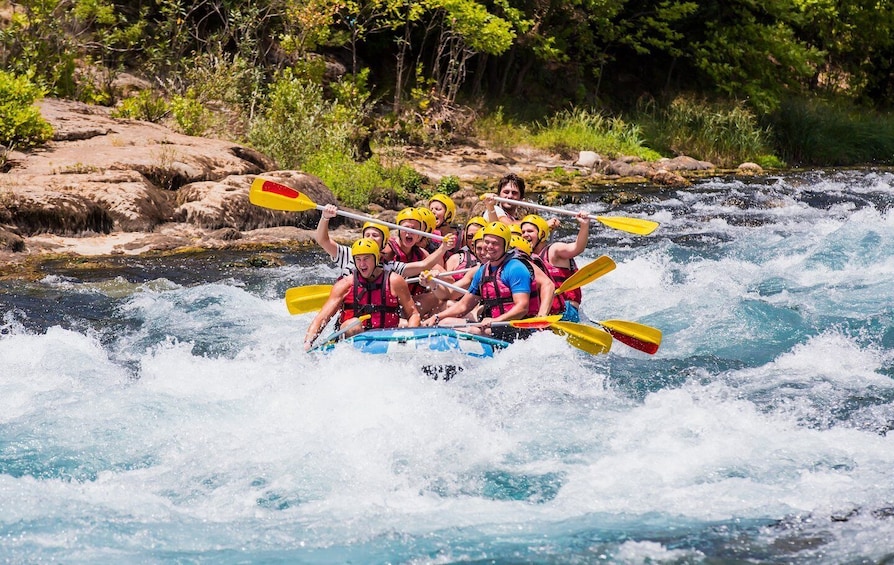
x,y
415,254
372,297
559,275
558,303
468,260
496,296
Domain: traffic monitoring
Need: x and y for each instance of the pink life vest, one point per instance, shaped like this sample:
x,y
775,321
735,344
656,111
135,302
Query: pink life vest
x,y
560,275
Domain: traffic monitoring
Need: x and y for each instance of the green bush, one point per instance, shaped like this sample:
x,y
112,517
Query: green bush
x,y
300,122
147,106
20,121
448,185
190,114
356,183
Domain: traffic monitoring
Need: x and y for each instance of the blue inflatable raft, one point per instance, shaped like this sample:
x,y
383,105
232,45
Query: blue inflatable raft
x,y
441,352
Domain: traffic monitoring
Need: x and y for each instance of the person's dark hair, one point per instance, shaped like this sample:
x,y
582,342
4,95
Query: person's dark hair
x,y
513,178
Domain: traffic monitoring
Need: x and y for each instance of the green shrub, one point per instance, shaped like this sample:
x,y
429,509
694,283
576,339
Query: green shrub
x,y
448,185
147,106
356,183
299,123
190,114
20,121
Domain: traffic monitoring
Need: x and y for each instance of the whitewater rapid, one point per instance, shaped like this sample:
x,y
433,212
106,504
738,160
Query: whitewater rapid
x,y
178,419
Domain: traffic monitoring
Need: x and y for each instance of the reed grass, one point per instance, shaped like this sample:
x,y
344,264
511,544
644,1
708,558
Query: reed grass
x,y
817,133
567,132
723,133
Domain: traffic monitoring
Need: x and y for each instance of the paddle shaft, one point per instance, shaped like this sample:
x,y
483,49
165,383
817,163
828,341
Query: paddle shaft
x,y
526,204
631,225
363,218
444,274
451,286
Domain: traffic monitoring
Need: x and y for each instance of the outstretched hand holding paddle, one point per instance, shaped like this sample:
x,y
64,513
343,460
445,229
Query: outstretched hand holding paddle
x,y
276,196
631,225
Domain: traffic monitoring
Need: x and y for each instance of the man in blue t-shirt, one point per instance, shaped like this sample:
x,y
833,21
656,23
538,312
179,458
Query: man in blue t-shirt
x,y
502,285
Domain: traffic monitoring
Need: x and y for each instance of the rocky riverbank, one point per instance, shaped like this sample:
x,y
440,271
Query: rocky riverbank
x,y
106,186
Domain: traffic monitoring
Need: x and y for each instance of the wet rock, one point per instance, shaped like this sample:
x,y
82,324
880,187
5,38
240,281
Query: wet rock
x,y
668,178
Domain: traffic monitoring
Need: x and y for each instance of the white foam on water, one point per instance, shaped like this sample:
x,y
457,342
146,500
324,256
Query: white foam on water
x,y
199,424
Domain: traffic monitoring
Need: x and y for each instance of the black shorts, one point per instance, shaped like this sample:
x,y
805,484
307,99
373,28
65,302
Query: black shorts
x,y
508,333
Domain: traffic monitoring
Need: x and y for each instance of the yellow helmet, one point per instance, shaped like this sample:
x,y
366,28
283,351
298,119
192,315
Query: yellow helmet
x,y
381,227
515,229
365,246
478,235
498,229
522,244
478,221
538,222
449,206
410,214
430,222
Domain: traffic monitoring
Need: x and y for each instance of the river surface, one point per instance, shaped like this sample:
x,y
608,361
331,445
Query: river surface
x,y
162,409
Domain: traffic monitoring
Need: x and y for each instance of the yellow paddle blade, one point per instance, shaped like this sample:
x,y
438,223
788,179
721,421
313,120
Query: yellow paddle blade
x,y
586,338
539,323
632,225
639,336
276,196
303,299
587,274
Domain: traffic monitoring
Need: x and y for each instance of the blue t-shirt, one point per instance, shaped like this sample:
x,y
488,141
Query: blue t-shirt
x,y
514,275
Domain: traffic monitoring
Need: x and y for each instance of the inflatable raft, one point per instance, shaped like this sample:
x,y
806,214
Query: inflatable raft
x,y
440,352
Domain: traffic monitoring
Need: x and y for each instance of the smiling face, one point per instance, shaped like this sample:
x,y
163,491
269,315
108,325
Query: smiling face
x,y
479,250
510,190
530,233
494,247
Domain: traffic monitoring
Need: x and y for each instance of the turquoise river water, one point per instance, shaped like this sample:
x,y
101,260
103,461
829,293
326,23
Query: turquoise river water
x,y
162,410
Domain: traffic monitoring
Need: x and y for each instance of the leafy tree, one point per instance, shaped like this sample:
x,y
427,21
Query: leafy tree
x,y
749,50
857,45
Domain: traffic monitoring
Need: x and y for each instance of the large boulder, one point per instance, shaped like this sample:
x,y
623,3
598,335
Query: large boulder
x,y
223,204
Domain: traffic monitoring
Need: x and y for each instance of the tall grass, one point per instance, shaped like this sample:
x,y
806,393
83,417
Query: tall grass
x,y
816,133
725,134
568,132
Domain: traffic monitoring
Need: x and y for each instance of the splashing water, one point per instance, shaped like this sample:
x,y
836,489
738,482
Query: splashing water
x,y
170,414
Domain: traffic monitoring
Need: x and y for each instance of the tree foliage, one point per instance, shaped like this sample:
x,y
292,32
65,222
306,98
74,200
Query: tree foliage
x,y
548,52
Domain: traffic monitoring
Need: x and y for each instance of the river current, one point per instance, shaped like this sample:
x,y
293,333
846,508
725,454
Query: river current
x,y
163,410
